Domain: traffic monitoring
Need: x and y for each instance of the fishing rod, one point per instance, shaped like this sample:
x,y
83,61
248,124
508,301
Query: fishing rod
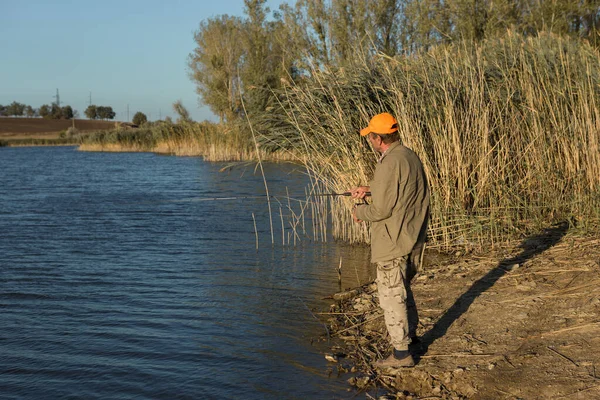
x,y
194,199
337,194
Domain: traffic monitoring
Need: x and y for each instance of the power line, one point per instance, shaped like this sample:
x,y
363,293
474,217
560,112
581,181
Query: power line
x,y
57,97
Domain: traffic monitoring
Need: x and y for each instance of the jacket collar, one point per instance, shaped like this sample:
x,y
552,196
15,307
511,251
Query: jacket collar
x,y
393,145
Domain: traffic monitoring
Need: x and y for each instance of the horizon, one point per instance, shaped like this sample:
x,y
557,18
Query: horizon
x,y
126,55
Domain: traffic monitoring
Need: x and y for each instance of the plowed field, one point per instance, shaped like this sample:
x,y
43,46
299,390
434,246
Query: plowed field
x,y
40,128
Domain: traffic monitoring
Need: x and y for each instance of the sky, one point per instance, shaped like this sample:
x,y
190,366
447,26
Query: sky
x,y
127,54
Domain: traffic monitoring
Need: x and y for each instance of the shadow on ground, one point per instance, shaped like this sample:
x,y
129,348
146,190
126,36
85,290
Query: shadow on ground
x,y
531,247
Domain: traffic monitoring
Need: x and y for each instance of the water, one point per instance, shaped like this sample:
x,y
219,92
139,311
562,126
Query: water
x,y
113,287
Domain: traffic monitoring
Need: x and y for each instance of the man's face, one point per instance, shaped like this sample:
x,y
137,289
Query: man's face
x,y
375,142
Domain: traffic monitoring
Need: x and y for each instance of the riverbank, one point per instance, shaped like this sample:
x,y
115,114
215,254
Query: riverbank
x,y
520,322
212,142
47,132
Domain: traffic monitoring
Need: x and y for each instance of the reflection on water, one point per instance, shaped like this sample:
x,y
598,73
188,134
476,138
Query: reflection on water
x,y
110,286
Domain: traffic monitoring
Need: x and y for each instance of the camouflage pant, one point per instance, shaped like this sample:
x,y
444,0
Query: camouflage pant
x,y
396,298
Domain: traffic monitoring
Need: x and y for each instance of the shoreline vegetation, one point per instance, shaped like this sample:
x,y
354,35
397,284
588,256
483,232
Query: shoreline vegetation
x,y
508,131
214,142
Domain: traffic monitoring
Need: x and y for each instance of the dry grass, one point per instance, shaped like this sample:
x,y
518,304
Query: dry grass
x,y
213,142
508,133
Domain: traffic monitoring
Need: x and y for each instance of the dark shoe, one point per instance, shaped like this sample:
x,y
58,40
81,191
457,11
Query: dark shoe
x,y
401,359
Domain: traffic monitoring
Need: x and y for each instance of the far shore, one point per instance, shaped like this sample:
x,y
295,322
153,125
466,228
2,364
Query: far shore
x,y
49,132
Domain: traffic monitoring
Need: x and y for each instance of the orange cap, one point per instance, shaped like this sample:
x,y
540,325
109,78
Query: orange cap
x,y
382,124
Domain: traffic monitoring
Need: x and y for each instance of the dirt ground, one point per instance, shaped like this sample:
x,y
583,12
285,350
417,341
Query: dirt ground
x,y
40,128
518,323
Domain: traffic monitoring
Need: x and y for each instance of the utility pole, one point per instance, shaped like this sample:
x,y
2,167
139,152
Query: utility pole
x,y
90,98
128,113
57,97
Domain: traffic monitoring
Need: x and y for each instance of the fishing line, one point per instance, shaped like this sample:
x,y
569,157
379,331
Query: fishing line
x,y
303,198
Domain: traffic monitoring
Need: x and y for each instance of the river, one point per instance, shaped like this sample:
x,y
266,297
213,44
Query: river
x,y
118,281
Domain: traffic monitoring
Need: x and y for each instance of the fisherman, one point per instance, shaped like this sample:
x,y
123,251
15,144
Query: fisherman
x,y
399,212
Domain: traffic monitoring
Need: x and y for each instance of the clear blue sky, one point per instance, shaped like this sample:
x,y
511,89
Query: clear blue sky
x,y
127,52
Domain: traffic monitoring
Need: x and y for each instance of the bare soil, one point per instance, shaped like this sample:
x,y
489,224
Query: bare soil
x,y
40,128
522,322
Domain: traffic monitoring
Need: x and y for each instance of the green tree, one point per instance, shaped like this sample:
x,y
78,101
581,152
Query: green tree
x,y
427,22
215,64
264,65
328,33
16,109
30,111
67,112
91,112
139,118
56,112
44,111
240,58
105,112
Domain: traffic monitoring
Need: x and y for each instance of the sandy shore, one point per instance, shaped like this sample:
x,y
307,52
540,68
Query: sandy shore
x,y
519,323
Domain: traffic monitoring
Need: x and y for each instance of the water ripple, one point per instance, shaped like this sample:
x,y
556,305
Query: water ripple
x,y
111,287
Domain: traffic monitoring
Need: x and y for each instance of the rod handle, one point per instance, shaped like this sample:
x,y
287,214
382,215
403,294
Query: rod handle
x,y
350,194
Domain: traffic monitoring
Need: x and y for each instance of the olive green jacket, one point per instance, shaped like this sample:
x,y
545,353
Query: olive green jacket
x,y
400,204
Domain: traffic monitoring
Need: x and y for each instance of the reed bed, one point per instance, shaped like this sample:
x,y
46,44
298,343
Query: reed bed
x,y
508,132
213,142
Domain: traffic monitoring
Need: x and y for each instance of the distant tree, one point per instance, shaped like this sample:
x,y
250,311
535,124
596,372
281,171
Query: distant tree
x,y
244,58
56,112
105,112
91,112
2,110
139,118
215,63
67,112
44,111
30,111
16,109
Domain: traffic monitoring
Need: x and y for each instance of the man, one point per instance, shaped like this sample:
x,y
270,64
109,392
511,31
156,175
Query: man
x,y
398,212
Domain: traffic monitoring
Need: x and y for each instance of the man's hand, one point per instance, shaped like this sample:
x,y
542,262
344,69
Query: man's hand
x,y
354,215
359,192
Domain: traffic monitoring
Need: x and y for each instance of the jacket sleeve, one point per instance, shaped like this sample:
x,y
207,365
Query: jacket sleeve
x,y
384,193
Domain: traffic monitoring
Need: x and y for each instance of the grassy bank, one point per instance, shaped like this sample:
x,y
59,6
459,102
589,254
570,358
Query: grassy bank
x,y
23,142
214,142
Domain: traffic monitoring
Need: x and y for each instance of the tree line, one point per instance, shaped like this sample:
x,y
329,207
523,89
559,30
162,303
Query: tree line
x,y
240,63
99,112
54,111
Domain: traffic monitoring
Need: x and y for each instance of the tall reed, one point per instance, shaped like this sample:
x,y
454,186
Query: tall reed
x,y
508,132
214,142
